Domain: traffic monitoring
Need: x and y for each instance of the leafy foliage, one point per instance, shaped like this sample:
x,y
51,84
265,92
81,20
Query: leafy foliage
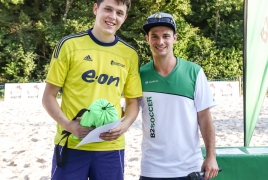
x,y
209,31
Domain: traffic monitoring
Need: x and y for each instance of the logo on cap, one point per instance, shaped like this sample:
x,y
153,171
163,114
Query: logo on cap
x,y
158,15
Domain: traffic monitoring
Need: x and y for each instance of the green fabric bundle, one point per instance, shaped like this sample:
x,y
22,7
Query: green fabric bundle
x,y
99,113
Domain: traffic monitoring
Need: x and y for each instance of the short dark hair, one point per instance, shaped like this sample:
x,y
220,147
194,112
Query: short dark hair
x,y
126,2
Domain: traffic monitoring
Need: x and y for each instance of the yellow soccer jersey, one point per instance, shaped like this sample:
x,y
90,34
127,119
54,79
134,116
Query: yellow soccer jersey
x,y
87,70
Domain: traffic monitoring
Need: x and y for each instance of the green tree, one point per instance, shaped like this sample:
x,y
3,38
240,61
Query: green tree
x,y
30,30
209,33
221,22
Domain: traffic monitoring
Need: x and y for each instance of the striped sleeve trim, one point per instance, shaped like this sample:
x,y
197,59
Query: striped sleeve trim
x,y
60,43
124,42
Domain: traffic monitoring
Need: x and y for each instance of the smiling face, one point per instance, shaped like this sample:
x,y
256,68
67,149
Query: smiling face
x,y
110,15
161,40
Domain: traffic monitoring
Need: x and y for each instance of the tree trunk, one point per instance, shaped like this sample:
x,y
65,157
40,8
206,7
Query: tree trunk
x,y
67,8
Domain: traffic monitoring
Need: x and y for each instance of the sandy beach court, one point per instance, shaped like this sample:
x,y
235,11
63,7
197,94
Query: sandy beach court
x,y
27,132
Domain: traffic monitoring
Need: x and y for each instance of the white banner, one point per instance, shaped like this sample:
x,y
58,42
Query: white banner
x,y
32,91
224,88
24,91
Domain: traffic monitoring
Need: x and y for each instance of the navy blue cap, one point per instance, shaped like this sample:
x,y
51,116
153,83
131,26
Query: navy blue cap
x,y
159,19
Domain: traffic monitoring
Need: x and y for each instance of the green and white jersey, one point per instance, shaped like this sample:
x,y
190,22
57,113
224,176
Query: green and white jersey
x,y
170,144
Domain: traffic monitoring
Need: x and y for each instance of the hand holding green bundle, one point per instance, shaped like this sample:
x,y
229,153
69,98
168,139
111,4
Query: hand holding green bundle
x,y
99,113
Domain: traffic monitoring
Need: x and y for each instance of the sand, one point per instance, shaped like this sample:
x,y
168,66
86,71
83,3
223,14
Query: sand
x,y
27,131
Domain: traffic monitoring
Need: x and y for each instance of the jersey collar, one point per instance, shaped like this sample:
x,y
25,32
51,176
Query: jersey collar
x,y
99,42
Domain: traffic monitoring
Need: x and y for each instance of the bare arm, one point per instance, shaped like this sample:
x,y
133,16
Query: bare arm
x,y
131,113
52,107
132,110
208,133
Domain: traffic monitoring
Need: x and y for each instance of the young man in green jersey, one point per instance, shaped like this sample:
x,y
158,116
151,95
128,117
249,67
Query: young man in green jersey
x,y
89,66
175,104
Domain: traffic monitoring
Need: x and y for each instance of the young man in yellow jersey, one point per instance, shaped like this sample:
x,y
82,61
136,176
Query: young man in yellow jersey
x,y
88,66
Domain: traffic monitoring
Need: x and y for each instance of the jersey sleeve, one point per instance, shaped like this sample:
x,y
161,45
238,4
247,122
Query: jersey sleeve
x,y
203,98
132,87
59,65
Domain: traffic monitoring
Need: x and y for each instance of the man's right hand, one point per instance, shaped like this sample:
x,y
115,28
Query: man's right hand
x,y
76,129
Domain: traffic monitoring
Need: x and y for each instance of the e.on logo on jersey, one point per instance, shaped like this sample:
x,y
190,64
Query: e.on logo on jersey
x,y
90,77
264,31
